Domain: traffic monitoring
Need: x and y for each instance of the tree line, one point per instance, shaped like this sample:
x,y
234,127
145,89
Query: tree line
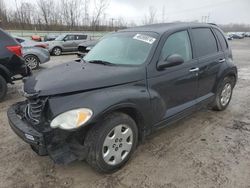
x,y
57,15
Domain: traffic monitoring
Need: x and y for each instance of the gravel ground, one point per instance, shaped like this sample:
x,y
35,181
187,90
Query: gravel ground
x,y
208,149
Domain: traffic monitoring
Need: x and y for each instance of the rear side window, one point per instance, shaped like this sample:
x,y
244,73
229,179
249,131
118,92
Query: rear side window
x,y
222,39
81,37
177,43
205,42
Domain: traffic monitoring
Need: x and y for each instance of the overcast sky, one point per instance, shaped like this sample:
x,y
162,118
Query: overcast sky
x,y
219,11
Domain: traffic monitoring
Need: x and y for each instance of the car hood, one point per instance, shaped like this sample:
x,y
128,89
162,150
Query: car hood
x,y
78,76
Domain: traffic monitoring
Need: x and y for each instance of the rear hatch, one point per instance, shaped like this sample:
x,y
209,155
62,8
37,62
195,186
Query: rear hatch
x,y
11,54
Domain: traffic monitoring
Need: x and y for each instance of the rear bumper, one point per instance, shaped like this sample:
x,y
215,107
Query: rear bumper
x,y
60,145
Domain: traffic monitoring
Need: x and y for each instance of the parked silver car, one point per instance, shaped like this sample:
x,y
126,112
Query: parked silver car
x,y
66,43
34,53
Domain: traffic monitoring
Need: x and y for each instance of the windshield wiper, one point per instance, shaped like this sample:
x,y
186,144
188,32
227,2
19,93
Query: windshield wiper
x,y
101,62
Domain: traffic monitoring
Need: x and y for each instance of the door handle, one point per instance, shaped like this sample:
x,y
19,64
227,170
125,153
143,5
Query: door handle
x,y
194,69
222,60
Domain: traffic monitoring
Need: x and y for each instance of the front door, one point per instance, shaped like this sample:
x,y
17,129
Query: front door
x,y
175,87
69,43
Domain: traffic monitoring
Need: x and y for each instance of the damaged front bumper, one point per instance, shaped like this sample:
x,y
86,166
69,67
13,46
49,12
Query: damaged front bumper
x,y
62,146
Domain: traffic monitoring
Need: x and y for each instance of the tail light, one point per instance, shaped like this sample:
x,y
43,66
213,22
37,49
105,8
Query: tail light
x,y
17,50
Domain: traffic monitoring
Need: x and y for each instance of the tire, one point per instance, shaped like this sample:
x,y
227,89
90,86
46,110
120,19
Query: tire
x,y
57,51
105,146
3,88
32,61
226,88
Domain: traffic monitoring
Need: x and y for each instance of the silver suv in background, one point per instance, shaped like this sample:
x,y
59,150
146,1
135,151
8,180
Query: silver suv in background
x,y
66,43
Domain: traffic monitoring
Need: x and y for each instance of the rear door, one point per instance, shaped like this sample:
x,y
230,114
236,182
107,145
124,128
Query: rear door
x,y
210,58
80,39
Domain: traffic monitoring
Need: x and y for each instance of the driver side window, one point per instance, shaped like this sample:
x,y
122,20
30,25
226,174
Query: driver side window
x,y
177,43
69,37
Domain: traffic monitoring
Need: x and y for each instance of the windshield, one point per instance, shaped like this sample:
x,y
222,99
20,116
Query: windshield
x,y
60,37
125,48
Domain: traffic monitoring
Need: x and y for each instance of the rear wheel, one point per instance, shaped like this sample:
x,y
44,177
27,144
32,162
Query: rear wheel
x,y
3,88
224,94
112,142
32,62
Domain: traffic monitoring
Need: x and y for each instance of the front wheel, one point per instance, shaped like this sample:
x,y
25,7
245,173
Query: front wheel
x,y
57,51
224,94
112,142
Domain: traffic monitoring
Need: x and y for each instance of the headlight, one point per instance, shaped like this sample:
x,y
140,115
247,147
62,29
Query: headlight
x,y
71,119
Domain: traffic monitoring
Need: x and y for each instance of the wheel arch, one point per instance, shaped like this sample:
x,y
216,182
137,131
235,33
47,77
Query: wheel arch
x,y
132,112
232,74
5,74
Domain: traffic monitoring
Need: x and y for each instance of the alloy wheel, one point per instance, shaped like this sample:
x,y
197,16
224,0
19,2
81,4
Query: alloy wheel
x,y
31,62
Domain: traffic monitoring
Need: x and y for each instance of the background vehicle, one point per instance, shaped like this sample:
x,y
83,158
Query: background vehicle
x,y
50,37
36,38
247,34
236,36
11,62
229,37
34,53
66,43
85,47
130,84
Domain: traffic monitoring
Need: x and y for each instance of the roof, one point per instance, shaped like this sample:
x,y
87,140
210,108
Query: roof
x,y
163,27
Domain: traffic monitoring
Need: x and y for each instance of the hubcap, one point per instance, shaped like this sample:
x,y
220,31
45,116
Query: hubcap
x,y
226,94
57,51
31,62
117,144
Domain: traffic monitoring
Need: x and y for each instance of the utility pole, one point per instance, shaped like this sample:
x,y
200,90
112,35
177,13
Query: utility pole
x,y
112,22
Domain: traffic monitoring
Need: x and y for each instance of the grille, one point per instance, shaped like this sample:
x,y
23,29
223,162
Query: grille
x,y
34,110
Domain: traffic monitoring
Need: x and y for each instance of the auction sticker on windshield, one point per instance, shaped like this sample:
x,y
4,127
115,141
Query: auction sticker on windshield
x,y
144,38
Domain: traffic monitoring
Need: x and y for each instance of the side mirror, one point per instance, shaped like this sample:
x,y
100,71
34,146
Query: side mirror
x,y
170,61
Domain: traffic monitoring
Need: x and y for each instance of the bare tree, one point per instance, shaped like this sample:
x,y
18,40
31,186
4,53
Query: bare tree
x,y
163,14
71,12
3,12
46,7
100,7
150,18
86,19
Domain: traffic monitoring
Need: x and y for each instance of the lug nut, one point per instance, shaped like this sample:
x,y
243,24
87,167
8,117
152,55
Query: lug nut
x,y
116,148
116,140
120,145
120,140
113,145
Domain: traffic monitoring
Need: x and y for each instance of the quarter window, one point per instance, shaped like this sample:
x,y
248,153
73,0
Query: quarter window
x,y
222,39
205,42
177,43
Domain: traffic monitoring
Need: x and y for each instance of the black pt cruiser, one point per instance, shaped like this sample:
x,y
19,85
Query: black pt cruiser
x,y
130,84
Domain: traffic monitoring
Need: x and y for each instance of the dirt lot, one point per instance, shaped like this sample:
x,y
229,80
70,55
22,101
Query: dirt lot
x,y
209,149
